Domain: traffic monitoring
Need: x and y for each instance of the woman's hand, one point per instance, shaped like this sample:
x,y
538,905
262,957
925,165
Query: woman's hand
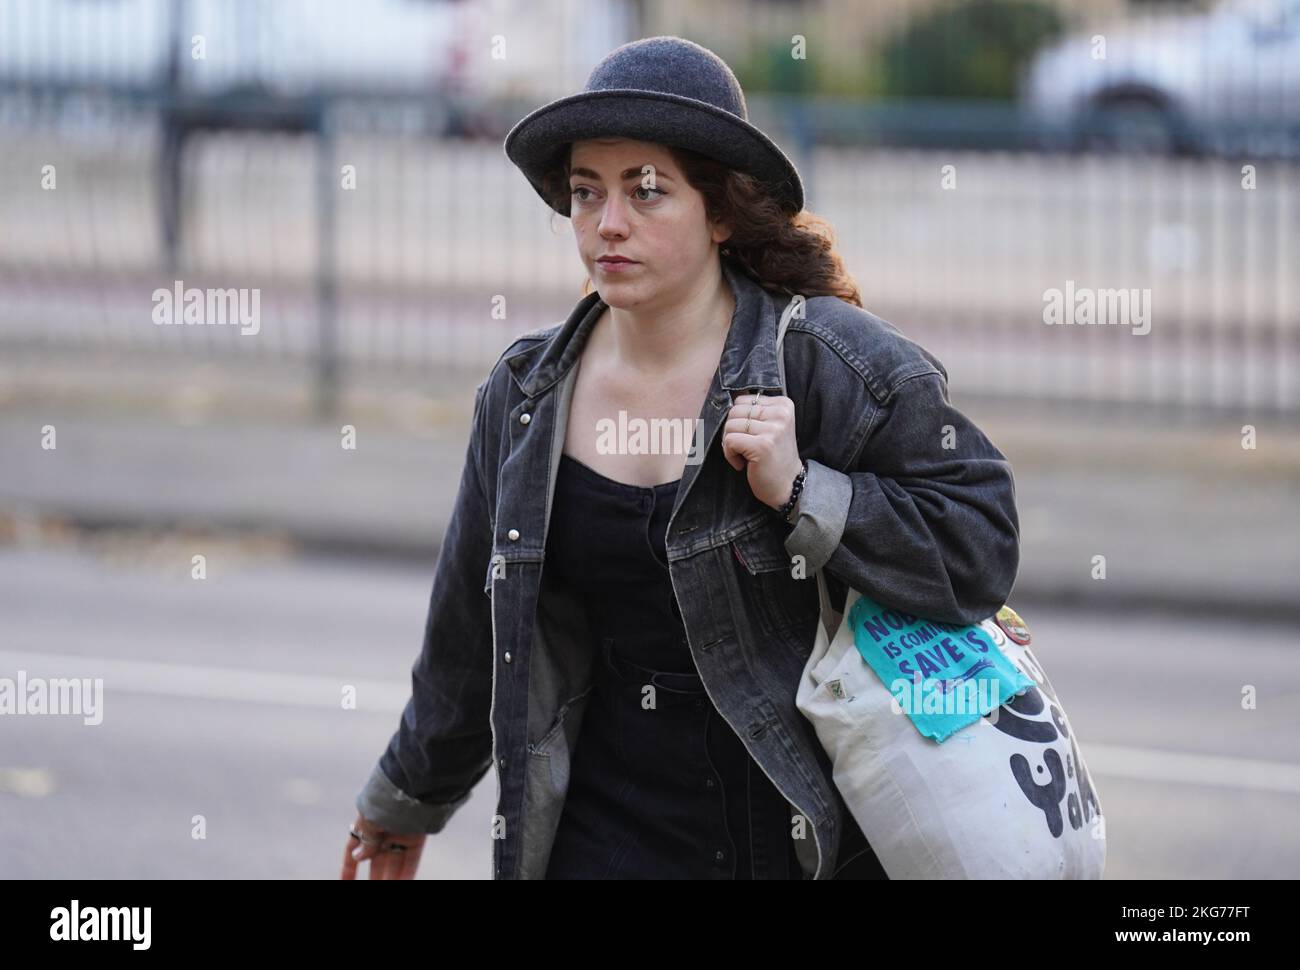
x,y
764,445
392,855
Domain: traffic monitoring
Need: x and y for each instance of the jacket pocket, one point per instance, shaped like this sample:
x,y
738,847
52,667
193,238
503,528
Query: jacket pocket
x,y
546,782
783,604
547,741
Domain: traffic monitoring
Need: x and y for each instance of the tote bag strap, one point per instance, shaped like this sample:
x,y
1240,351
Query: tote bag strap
x,y
830,616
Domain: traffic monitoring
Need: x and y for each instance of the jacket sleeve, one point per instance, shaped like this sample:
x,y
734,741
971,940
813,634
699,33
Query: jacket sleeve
x,y
443,745
925,519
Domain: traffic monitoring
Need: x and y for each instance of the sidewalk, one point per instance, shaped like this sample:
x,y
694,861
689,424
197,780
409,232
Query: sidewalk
x,y
1185,518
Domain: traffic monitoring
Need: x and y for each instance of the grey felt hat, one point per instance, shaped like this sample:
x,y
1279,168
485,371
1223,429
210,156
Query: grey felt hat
x,y
661,89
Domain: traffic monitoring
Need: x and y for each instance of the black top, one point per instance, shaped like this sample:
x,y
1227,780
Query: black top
x,y
607,539
660,786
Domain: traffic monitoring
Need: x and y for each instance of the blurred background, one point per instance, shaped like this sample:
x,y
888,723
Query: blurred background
x,y
342,160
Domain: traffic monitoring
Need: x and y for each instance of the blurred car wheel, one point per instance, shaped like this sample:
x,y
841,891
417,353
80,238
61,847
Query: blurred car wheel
x,y
1132,126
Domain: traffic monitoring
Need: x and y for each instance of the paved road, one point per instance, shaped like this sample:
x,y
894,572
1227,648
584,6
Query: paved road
x,y
222,699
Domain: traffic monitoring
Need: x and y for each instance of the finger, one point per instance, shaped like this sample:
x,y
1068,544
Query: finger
x,y
733,459
746,440
749,398
378,865
349,870
370,834
748,425
761,412
365,851
748,446
409,861
396,851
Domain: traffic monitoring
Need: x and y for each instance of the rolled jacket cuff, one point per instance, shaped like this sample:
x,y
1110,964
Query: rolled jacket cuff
x,y
386,805
823,511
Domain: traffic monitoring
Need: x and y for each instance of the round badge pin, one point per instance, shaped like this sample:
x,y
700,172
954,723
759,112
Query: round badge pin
x,y
995,633
1012,625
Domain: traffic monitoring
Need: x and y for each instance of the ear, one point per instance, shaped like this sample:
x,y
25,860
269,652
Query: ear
x,y
720,232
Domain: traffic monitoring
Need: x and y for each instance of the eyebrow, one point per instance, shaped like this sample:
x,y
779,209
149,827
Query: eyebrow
x,y
627,173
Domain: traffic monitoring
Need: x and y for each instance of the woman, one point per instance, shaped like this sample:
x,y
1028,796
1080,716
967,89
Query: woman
x,y
631,673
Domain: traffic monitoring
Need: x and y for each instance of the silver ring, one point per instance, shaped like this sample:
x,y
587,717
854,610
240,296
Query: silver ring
x,y
361,838
395,847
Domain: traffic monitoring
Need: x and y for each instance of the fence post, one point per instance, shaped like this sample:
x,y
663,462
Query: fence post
x,y
327,350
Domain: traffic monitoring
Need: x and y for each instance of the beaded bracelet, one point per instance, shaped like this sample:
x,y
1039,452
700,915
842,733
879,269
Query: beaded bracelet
x,y
784,510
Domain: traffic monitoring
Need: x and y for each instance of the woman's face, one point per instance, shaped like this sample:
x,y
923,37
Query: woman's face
x,y
628,198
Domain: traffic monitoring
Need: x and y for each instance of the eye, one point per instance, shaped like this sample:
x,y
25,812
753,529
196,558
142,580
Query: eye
x,y
643,188
580,188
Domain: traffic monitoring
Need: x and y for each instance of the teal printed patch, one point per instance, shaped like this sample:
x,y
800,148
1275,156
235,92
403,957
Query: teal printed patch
x,y
943,676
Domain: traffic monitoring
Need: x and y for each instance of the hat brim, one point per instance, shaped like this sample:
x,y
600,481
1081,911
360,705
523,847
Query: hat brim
x,y
537,142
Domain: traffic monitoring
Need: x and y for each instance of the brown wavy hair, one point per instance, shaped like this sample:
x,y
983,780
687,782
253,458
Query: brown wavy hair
x,y
785,251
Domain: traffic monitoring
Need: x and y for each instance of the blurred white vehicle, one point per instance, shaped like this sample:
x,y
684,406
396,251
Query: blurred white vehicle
x,y
1223,80
449,58
281,46
282,53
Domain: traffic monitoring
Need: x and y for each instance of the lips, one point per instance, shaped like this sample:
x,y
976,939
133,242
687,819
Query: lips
x,y
615,259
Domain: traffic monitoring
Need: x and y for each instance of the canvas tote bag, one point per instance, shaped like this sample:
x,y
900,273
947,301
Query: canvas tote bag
x,y
948,743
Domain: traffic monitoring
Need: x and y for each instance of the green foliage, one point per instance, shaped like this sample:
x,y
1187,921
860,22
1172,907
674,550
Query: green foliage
x,y
972,50
771,67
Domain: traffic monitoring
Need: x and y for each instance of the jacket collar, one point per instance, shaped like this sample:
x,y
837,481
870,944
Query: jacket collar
x,y
748,358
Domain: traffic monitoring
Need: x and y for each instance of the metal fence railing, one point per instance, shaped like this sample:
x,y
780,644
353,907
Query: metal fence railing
x,y
373,244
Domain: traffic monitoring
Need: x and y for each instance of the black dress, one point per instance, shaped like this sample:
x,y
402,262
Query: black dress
x,y
661,788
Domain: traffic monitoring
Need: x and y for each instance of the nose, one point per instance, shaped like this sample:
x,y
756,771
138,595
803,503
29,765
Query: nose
x,y
613,217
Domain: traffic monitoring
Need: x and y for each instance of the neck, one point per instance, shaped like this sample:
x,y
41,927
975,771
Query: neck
x,y
655,339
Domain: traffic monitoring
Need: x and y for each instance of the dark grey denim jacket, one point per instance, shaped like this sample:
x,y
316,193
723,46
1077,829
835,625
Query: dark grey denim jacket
x,y
905,500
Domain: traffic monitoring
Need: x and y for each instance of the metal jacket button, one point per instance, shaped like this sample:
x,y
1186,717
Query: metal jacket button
x,y
525,418
507,656
513,535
